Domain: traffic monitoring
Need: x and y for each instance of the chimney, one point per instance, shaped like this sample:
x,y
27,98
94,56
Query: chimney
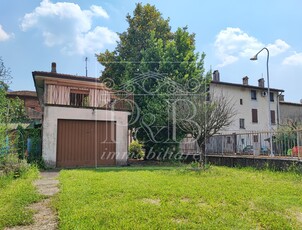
x,y
261,82
281,97
53,67
216,75
245,80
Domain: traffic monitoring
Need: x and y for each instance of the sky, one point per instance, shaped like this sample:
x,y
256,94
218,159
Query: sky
x,y
37,32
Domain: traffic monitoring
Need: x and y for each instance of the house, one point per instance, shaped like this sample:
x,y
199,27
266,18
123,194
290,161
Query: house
x,y
250,104
250,126
290,112
84,122
31,103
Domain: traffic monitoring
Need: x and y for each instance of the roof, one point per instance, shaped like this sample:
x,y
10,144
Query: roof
x,y
26,93
245,86
290,103
65,76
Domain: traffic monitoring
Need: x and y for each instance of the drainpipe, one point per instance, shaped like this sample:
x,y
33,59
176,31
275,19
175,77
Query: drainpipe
x,y
278,110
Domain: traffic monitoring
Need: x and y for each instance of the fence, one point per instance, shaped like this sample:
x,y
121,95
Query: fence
x,y
27,143
284,144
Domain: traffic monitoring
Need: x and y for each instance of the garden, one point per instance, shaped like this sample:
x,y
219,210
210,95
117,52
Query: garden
x,y
179,198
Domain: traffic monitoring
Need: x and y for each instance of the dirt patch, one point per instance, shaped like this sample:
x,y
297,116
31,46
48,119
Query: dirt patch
x,y
152,201
44,217
180,221
185,200
299,217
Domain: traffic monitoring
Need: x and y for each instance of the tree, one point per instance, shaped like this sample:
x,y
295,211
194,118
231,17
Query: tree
x,y
203,117
148,60
11,110
5,75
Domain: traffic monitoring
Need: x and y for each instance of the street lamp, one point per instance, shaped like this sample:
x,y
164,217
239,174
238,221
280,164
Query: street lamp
x,y
254,58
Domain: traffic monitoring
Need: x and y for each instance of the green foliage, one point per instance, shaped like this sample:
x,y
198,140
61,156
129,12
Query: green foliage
x,y
147,57
136,150
11,110
11,165
15,196
169,198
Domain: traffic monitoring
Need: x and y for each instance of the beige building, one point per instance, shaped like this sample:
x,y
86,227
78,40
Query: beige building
x,y
250,104
290,112
84,122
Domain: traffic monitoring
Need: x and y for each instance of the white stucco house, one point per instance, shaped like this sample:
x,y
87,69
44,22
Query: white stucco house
x,y
85,124
250,130
250,104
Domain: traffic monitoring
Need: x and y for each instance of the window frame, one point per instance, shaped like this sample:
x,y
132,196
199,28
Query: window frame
x,y
255,116
79,98
241,121
253,94
271,97
273,117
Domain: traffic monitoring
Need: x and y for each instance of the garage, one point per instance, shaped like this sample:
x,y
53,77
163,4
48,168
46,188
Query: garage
x,y
83,143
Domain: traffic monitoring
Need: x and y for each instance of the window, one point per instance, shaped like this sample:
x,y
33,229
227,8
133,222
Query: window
x,y
208,96
254,116
273,117
241,102
241,123
228,140
79,98
253,94
255,138
271,96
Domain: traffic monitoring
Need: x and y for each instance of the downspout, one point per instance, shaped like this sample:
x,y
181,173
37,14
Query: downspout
x,y
278,109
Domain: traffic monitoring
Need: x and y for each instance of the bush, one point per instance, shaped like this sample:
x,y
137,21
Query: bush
x,y
11,165
136,150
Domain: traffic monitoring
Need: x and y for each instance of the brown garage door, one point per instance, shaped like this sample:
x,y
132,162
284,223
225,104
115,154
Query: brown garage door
x,y
85,143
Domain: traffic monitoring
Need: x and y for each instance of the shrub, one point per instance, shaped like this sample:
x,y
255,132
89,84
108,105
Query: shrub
x,y
11,165
136,150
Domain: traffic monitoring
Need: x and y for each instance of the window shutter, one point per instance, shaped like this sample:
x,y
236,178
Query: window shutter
x,y
254,116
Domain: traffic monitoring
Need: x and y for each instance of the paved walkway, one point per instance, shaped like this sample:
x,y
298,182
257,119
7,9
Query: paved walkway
x,y
44,217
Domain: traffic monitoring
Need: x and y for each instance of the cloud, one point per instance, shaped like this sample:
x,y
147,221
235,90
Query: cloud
x,y
295,59
278,47
99,11
67,25
3,35
233,43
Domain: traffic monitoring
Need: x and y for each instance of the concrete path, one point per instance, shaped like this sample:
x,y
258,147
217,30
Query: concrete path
x,y
44,217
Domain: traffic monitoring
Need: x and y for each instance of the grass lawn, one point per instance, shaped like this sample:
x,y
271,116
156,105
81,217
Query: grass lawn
x,y
15,196
175,198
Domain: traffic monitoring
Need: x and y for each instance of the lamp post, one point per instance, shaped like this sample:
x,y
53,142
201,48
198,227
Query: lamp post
x,y
254,58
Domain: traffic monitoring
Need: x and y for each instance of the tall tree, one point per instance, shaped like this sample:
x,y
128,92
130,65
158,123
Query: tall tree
x,y
151,60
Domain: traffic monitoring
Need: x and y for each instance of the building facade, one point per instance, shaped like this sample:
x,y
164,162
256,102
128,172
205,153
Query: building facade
x,y
290,112
250,104
85,124
31,103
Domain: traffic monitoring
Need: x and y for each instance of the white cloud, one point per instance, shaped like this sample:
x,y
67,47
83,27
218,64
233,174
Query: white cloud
x,y
295,59
67,25
3,35
233,43
99,11
278,47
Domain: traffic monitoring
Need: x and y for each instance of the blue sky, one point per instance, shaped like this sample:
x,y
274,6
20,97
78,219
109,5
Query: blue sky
x,y
35,33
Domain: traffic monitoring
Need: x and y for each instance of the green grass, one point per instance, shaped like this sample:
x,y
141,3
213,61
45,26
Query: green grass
x,y
173,198
15,196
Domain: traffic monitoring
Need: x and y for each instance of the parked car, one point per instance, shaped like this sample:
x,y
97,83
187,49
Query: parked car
x,y
249,149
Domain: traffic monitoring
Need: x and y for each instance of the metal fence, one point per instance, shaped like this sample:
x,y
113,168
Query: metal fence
x,y
284,144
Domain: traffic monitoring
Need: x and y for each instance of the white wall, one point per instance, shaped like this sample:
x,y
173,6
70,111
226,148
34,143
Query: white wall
x,y
235,93
50,125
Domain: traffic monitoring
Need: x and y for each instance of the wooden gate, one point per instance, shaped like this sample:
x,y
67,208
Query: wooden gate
x,y
85,143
